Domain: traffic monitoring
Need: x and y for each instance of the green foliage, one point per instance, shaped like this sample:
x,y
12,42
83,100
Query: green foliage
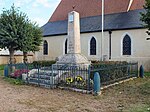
x,y
145,17
43,63
2,67
147,74
37,39
112,71
14,81
32,40
107,63
1,72
11,25
17,32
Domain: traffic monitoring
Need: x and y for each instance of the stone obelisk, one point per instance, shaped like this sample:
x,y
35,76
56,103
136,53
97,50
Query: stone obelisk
x,y
74,33
74,48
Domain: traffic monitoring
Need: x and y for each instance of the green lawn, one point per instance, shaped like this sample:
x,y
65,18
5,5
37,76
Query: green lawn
x,y
135,94
143,97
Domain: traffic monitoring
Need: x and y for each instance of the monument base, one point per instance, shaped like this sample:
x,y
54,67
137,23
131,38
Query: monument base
x,y
72,58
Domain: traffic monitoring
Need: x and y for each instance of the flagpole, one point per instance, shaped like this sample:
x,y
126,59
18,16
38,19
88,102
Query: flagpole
x,y
102,30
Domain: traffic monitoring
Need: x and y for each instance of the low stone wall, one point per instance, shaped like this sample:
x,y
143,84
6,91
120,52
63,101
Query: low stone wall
x,y
4,59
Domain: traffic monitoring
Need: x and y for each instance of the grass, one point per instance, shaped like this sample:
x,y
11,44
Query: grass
x,y
8,79
137,94
141,108
147,74
13,81
2,70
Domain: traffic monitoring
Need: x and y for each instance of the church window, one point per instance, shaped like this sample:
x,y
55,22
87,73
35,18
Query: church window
x,y
45,48
126,45
93,46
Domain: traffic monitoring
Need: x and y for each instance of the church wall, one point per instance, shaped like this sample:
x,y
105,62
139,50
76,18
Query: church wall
x,y
55,48
85,45
139,46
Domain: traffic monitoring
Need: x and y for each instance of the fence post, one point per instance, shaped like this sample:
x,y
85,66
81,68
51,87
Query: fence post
x,y
141,71
6,71
96,83
89,71
52,78
129,69
26,64
38,75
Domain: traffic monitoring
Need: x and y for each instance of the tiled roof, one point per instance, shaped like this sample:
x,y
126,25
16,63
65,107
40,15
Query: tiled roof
x,y
88,8
137,4
117,21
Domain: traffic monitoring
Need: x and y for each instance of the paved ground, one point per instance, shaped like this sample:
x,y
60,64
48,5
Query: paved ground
x,y
23,98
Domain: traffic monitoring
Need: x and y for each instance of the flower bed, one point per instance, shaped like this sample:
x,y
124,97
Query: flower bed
x,y
18,73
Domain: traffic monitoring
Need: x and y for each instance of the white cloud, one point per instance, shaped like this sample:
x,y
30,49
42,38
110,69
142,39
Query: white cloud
x,y
40,7
46,3
39,21
2,3
37,10
20,3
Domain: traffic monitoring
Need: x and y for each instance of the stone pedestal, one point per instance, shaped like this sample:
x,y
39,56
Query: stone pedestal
x,y
73,59
74,48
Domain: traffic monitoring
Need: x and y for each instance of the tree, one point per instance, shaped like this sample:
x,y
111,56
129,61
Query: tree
x,y
17,32
145,16
31,41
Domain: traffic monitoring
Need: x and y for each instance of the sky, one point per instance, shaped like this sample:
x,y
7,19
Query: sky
x,y
38,11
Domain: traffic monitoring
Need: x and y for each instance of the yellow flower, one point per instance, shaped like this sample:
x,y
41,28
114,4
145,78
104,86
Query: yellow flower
x,y
79,79
69,80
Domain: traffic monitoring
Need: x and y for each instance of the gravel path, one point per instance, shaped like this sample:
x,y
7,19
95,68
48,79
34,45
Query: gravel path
x,y
25,98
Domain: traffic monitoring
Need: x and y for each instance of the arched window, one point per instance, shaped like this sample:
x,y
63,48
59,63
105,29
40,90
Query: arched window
x,y
66,46
126,45
93,46
45,48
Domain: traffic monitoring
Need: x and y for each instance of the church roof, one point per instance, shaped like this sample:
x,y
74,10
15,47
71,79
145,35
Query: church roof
x,y
87,8
115,21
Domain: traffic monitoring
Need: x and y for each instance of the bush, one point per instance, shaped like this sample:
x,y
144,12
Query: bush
x,y
109,70
107,63
2,67
43,63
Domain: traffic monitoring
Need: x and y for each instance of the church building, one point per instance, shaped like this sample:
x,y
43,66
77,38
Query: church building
x,y
124,37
